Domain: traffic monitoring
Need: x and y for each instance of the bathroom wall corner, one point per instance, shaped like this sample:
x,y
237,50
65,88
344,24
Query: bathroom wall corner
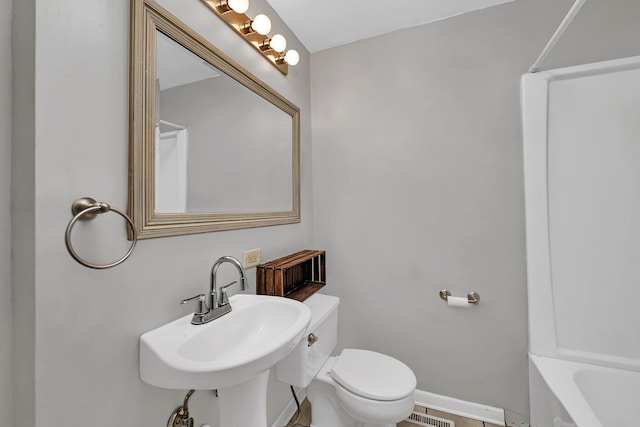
x,y
23,213
6,331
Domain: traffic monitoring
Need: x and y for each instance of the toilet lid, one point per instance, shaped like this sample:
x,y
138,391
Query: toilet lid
x,y
373,375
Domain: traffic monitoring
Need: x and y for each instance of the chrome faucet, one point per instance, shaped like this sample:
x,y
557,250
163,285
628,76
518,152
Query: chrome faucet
x,y
213,290
210,307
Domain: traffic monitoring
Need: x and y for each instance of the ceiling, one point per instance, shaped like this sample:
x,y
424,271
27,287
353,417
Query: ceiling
x,y
324,24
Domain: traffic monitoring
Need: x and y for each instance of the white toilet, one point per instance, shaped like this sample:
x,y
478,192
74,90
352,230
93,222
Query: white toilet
x,y
358,388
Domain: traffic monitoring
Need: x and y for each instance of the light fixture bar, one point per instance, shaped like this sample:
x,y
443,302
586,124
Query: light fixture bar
x,y
237,22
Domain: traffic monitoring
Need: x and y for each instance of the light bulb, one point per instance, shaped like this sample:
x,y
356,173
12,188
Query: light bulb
x,y
239,6
292,57
278,43
261,24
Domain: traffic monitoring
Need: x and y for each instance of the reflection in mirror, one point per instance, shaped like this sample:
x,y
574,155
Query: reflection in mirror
x,y
219,146
211,146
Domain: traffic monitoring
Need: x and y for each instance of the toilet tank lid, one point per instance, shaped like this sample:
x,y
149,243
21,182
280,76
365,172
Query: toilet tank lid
x,y
373,375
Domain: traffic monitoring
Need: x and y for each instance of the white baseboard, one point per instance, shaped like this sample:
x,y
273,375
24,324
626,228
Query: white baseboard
x,y
462,408
290,409
438,402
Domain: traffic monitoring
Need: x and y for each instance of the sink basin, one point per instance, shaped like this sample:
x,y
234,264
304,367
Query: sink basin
x,y
231,350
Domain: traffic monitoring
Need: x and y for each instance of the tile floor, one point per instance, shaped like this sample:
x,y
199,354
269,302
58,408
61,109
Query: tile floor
x,y
305,418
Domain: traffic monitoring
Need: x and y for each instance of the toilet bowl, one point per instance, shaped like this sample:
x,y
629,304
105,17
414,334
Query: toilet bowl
x,y
357,388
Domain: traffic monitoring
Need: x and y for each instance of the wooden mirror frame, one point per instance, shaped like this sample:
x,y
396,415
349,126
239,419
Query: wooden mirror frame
x,y
147,17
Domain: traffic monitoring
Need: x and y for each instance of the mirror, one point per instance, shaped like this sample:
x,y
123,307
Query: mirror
x,y
211,146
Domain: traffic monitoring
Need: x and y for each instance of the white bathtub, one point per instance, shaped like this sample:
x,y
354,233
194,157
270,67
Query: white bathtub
x,y
582,196
592,396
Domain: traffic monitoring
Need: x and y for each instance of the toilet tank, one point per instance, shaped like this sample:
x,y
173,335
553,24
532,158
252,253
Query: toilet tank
x,y
303,363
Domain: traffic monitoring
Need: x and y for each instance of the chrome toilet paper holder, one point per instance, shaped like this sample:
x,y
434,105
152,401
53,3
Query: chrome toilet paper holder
x,y
472,297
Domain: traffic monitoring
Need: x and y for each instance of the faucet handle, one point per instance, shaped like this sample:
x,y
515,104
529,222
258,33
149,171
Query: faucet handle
x,y
202,305
223,299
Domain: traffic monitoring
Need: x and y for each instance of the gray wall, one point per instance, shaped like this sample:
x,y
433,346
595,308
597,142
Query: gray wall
x,y
418,186
5,211
87,322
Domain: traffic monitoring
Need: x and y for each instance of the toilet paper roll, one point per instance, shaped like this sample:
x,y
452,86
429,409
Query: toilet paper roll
x,y
462,302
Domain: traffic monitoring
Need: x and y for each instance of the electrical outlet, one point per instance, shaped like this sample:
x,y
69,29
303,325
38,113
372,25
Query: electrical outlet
x,y
251,258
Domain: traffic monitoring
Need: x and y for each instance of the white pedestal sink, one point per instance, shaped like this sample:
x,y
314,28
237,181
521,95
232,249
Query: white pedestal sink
x,y
232,354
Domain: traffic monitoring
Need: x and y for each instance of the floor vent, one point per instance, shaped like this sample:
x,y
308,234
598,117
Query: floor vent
x,y
422,419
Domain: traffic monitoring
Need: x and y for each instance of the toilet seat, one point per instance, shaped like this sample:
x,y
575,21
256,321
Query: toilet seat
x,y
373,375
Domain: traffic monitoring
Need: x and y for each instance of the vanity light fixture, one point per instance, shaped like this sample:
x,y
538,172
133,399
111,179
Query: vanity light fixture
x,y
261,24
278,43
292,57
238,6
253,31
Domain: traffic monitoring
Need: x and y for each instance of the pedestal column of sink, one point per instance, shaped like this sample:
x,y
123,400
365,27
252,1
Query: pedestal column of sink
x,y
245,405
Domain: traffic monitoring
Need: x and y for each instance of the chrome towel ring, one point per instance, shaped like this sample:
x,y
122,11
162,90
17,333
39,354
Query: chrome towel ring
x,y
85,209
